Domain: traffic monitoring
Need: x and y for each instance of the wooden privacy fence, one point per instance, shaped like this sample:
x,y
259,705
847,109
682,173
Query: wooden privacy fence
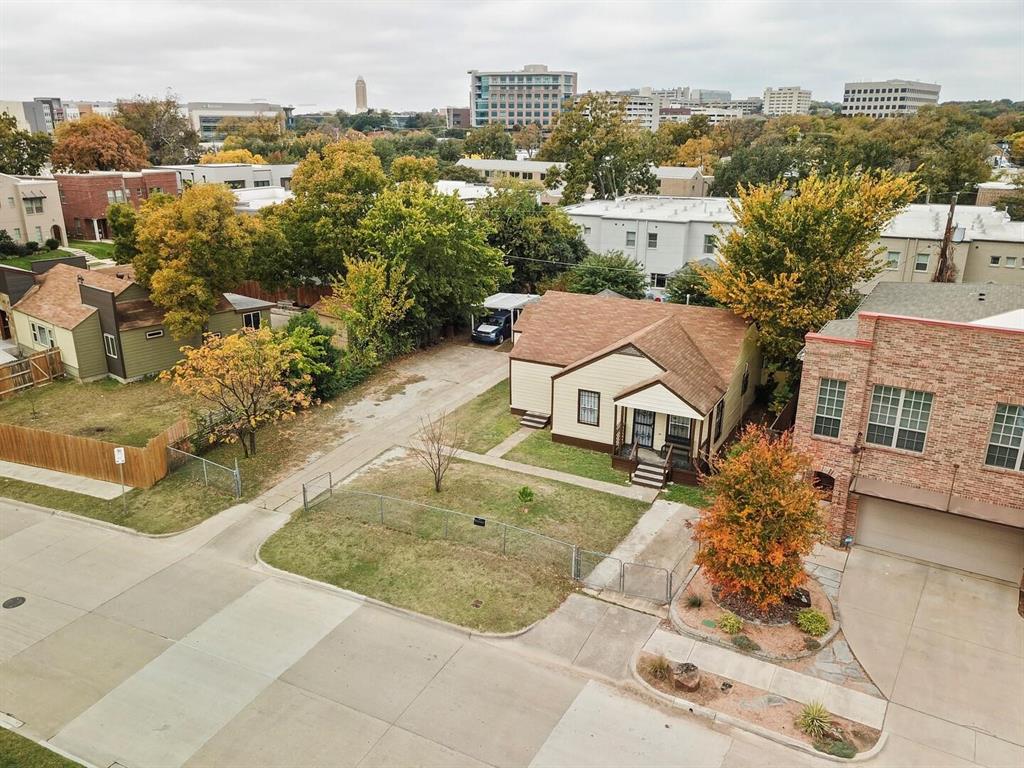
x,y
39,368
84,456
303,295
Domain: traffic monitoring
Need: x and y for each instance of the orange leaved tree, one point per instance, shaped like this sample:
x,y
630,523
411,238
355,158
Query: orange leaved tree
x,y
764,518
248,376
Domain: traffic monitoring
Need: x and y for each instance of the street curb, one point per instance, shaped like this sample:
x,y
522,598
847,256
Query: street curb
x,y
720,717
422,617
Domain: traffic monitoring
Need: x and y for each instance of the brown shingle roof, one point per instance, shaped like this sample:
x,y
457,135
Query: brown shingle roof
x,y
55,297
697,346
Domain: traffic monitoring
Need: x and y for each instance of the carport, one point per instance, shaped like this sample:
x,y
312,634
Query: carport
x,y
514,302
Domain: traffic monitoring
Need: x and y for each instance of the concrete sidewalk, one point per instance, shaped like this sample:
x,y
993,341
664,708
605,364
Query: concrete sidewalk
x,y
99,489
510,442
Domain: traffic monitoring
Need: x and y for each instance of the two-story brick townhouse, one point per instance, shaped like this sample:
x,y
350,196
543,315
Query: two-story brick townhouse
x,y
913,410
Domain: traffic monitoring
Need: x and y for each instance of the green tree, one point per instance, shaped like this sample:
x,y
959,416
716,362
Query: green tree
x,y
689,286
459,173
791,263
763,164
96,143
409,168
168,135
22,153
190,250
539,241
956,167
528,138
490,141
611,271
444,248
318,365
121,217
603,151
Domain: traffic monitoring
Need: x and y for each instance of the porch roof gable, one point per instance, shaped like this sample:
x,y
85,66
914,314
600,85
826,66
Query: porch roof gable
x,y
655,396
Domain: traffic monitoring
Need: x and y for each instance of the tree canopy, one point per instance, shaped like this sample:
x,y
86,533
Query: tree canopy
x,y
602,150
611,271
96,143
168,135
22,153
231,156
490,141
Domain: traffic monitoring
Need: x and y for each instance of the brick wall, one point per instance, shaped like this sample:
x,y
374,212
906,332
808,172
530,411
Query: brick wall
x,y
969,369
84,196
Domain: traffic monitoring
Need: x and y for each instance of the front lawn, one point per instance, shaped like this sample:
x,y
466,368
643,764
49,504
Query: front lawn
x,y
691,495
25,262
466,584
486,420
129,414
541,451
18,752
97,249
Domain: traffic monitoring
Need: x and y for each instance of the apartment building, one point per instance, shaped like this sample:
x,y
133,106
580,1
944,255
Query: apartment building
x,y
643,107
457,117
787,100
29,115
85,197
235,175
913,412
30,209
206,116
666,233
715,115
888,98
533,94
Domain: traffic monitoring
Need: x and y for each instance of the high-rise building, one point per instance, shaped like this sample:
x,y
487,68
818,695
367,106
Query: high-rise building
x,y
29,115
888,98
787,100
519,97
55,108
360,94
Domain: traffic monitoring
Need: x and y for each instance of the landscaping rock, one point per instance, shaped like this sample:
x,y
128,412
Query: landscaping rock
x,y
841,650
686,677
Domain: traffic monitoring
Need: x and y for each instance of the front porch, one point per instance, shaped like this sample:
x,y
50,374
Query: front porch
x,y
658,447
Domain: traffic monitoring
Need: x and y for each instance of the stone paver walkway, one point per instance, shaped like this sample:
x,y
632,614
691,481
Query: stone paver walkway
x,y
99,489
510,442
626,491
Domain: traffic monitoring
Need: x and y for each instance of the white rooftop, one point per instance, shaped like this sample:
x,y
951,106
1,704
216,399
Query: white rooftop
x,y
251,199
657,208
507,165
1014,319
509,300
974,222
466,190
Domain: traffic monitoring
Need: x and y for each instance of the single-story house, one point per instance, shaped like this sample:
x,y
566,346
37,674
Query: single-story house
x,y
658,386
105,325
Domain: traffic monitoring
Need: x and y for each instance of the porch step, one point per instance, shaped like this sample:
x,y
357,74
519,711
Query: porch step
x,y
649,475
534,420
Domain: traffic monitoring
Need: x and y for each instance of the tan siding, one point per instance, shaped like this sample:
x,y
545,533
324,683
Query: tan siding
x,y
144,357
735,403
609,376
132,293
87,341
979,270
531,386
230,322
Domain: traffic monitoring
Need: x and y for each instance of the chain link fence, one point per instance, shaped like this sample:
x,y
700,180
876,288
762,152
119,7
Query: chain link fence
x,y
596,570
209,473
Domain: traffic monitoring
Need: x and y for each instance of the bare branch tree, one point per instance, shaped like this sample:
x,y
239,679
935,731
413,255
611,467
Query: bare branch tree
x,y
436,444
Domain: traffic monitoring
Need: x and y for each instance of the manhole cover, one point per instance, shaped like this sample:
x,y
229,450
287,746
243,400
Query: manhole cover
x,y
13,602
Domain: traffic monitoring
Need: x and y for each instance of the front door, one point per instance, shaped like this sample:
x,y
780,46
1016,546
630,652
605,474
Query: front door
x,y
643,428
5,326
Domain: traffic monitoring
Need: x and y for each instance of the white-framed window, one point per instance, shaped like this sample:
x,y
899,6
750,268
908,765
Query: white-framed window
x,y
652,239
1011,261
588,405
586,230
1006,441
39,234
994,261
251,320
42,335
921,262
33,205
678,430
828,413
658,279
899,417
155,334
630,238
17,234
710,243
110,345
892,260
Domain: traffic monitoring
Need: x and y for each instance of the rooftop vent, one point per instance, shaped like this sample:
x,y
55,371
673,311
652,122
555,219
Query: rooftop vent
x,y
119,275
981,296
81,279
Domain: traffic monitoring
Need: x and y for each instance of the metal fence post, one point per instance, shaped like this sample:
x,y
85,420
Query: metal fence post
x,y
206,478
238,481
622,577
575,562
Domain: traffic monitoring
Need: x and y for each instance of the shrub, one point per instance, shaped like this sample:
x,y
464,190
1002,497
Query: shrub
x,y
835,747
52,244
730,623
525,495
744,643
31,246
812,621
693,600
659,668
814,720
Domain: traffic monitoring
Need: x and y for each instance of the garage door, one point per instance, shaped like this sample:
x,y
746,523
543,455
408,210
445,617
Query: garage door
x,y
939,537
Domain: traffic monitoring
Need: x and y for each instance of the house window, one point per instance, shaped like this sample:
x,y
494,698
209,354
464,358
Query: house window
x,y
1011,261
42,335
251,320
745,384
719,418
658,279
1006,443
33,205
236,184
892,260
155,334
652,239
586,230
678,430
630,238
10,202
828,413
588,407
261,183
17,234
921,262
710,243
899,417
110,345
994,261
39,234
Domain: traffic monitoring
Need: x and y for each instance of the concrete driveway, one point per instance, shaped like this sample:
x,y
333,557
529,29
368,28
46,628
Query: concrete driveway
x,y
946,648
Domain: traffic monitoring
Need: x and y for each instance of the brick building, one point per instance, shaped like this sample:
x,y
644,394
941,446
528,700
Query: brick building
x,y
913,410
85,197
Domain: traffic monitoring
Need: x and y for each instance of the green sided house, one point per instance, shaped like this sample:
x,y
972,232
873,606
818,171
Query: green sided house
x,y
104,323
660,387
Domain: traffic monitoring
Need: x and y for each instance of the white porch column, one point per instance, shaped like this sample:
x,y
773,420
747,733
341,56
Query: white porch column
x,y
95,228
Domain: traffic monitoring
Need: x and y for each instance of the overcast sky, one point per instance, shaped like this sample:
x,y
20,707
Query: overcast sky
x,y
414,55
